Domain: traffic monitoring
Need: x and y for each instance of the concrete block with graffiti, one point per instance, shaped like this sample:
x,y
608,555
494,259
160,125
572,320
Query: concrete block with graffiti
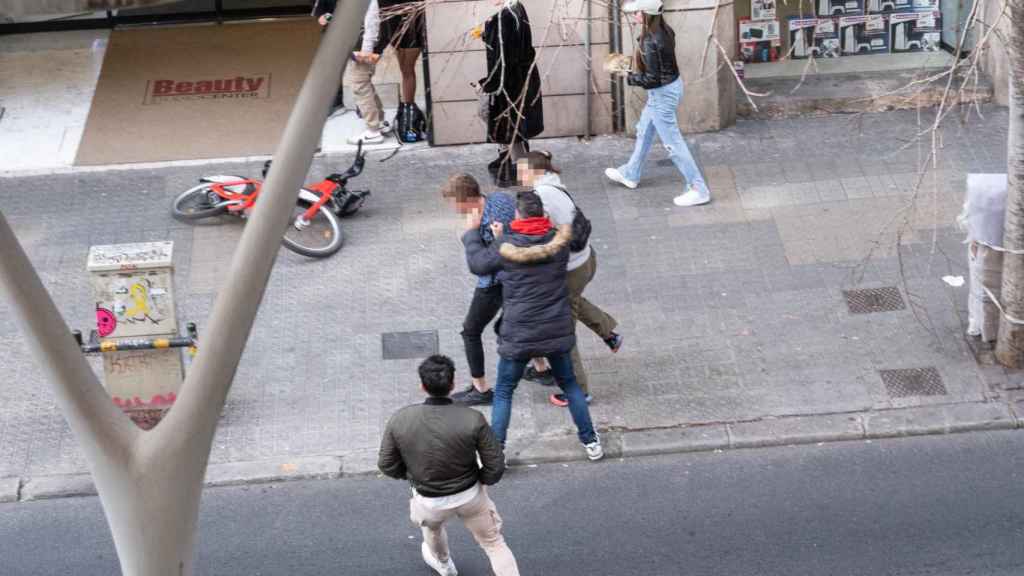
x,y
134,294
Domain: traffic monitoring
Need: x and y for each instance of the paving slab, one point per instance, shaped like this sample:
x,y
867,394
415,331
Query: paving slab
x,y
360,463
304,468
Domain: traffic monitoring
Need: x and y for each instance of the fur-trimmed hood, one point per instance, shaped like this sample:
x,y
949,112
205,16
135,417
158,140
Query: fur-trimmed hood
x,y
537,252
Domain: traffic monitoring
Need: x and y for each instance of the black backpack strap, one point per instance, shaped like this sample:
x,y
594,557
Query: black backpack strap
x,y
566,192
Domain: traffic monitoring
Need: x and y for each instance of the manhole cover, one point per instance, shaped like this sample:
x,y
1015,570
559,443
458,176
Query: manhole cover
x,y
404,345
913,382
868,300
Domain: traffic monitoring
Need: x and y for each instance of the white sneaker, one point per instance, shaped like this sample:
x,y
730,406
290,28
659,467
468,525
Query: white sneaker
x,y
447,569
385,127
614,175
368,137
691,198
594,449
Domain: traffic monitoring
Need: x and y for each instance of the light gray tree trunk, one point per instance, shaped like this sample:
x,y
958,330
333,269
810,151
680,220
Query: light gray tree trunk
x,y
150,482
1010,347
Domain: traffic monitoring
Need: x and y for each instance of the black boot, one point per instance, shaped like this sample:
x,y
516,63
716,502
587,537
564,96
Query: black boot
x,y
400,123
505,177
493,165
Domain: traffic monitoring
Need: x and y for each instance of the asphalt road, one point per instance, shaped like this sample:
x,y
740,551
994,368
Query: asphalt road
x,y
947,505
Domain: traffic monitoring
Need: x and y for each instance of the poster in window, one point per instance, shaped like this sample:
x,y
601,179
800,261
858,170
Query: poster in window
x,y
762,9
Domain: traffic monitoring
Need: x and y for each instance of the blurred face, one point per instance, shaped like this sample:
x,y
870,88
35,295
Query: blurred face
x,y
525,175
498,3
638,17
465,207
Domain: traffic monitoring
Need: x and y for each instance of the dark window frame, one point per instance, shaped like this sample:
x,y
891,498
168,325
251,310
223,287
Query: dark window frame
x,y
218,14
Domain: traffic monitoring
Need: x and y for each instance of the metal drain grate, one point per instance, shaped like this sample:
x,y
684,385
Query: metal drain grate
x,y
908,382
868,300
405,345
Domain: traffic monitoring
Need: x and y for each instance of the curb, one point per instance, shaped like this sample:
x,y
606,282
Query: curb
x,y
767,432
796,430
57,486
262,472
781,431
230,474
10,489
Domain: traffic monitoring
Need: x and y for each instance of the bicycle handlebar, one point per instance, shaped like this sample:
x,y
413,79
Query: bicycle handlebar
x,y
354,170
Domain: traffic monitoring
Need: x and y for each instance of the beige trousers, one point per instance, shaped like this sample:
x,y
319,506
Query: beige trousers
x,y
359,76
587,312
481,519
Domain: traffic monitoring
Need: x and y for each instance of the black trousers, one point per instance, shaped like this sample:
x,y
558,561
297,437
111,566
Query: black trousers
x,y
485,306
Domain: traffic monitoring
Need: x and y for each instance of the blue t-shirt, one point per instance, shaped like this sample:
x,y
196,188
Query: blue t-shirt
x,y
498,207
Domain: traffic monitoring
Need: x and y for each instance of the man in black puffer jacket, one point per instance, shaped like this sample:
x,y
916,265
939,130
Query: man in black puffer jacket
x,y
435,446
536,320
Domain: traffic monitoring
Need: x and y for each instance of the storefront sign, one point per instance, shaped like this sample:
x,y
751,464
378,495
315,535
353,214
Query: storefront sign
x,y
163,90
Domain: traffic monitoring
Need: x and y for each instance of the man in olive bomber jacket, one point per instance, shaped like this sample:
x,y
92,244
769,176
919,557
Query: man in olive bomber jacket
x,y
435,446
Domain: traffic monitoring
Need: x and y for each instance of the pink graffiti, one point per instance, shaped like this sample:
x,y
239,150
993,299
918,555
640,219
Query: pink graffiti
x,y
157,401
106,322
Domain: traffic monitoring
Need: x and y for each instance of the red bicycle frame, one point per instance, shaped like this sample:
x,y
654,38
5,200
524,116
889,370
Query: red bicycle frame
x,y
244,201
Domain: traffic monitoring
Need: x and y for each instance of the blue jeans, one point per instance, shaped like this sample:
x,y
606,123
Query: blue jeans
x,y
659,116
511,371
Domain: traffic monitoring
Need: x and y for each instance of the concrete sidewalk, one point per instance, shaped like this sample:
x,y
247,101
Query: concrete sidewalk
x,y
738,331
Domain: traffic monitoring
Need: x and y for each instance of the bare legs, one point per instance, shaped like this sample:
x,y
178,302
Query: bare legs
x,y
407,59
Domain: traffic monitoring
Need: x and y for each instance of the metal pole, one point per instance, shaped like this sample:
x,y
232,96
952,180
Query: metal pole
x,y
618,98
590,67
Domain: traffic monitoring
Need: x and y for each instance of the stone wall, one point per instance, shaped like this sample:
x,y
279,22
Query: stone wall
x,y
559,32
995,61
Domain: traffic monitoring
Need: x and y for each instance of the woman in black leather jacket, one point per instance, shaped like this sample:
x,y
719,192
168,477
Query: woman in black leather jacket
x,y
658,73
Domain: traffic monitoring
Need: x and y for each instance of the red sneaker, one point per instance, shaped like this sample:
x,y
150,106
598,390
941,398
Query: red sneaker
x,y
561,401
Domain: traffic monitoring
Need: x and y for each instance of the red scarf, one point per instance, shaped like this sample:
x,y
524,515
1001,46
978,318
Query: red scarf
x,y
536,226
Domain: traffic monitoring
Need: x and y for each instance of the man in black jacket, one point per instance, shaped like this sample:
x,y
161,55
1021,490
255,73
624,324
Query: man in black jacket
x,y
434,446
536,319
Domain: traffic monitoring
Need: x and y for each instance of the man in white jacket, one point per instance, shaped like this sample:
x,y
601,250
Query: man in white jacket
x,y
536,170
359,72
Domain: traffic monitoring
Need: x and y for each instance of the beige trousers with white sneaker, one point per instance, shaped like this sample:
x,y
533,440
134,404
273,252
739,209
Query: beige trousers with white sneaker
x,y
359,76
481,519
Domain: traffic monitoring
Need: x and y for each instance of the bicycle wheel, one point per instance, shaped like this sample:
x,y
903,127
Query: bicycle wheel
x,y
318,238
198,202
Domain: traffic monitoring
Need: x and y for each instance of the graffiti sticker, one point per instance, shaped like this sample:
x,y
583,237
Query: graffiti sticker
x,y
106,322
